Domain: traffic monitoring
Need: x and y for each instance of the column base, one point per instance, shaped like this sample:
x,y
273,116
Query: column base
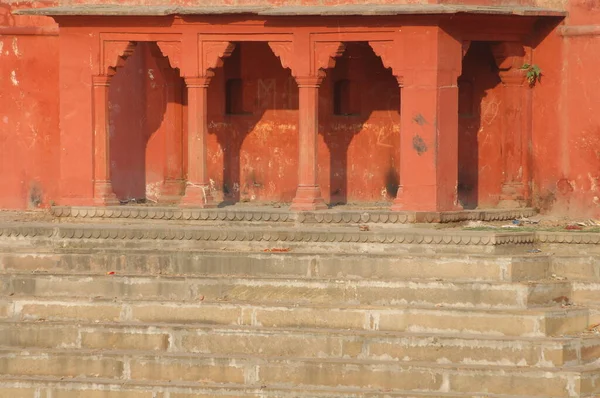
x,y
104,194
198,195
512,196
424,198
308,199
171,191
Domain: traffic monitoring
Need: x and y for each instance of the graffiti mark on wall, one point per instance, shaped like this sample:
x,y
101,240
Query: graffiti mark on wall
x,y
266,93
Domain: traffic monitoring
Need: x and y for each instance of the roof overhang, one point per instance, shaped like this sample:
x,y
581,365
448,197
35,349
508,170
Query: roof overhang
x,y
339,10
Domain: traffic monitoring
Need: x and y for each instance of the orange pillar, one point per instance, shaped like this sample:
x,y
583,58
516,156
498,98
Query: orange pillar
x,y
308,196
197,191
510,56
174,185
103,191
430,63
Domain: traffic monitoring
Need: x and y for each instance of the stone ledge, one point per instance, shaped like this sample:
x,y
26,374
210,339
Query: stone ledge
x,y
257,234
271,215
108,10
290,233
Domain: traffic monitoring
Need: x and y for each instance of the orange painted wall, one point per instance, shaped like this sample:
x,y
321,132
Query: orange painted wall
x,y
566,121
253,156
28,112
256,150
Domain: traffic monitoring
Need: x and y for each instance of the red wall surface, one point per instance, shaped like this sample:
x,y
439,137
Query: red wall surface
x,y
28,112
253,156
566,121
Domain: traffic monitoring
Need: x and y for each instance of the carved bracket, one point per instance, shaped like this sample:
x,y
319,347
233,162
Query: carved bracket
x,y
114,55
465,47
171,50
212,54
326,54
284,51
386,51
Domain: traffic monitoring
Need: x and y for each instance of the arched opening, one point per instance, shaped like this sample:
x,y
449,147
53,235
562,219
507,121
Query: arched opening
x,y
145,127
479,134
253,128
359,119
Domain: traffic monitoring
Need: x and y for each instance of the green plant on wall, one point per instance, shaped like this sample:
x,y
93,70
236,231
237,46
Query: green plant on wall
x,y
533,73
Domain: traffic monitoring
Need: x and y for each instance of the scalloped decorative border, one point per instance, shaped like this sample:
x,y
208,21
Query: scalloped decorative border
x,y
323,217
291,235
265,235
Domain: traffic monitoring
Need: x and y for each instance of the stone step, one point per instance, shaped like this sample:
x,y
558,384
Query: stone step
x,y
304,343
292,264
276,372
528,322
271,214
35,387
331,239
581,267
586,292
288,291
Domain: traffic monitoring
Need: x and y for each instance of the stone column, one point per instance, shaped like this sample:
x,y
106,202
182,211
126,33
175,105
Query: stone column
x,y
308,196
510,57
103,191
428,154
197,191
174,184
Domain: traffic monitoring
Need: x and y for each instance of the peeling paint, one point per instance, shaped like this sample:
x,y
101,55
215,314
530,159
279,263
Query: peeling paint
x,y
13,78
15,47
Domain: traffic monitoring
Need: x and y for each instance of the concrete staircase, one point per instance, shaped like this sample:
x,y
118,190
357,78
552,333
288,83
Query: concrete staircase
x,y
115,303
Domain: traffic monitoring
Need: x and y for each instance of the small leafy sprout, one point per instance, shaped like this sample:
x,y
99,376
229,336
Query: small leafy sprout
x,y
534,73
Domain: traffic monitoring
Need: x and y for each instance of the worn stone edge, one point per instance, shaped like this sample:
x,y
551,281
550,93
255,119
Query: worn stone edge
x,y
108,10
220,234
245,235
325,217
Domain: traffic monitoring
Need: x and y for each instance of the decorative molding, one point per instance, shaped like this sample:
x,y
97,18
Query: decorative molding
x,y
320,217
204,233
403,236
172,52
115,54
578,30
325,54
213,53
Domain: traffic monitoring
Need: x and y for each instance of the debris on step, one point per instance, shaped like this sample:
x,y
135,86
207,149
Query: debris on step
x,y
573,227
558,278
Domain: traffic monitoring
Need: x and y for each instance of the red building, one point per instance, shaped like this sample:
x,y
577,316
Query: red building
x,y
423,106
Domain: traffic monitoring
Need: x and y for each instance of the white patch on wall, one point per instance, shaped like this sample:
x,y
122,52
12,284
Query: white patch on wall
x,y
1,47
5,120
13,78
153,191
15,47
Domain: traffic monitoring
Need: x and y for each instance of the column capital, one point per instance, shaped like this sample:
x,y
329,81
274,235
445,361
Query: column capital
x,y
510,57
310,81
512,77
198,81
101,80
